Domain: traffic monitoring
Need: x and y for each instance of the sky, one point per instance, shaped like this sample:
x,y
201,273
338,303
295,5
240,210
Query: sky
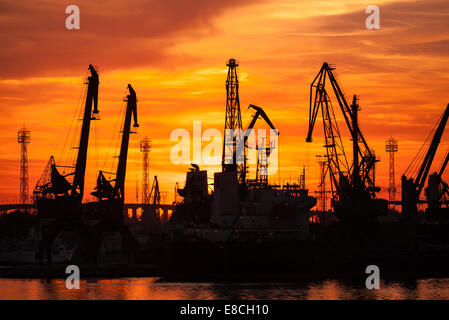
x,y
174,54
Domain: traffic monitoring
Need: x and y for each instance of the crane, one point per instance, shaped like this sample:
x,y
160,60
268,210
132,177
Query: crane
x,y
109,207
352,186
412,187
104,188
57,198
259,112
53,186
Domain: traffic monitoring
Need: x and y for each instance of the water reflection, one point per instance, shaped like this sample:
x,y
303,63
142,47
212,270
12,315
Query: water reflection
x,y
151,288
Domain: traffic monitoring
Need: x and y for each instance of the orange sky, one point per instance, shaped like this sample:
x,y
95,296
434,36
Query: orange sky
x,y
174,54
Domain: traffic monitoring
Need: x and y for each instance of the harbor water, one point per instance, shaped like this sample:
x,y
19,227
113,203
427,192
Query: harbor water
x,y
153,289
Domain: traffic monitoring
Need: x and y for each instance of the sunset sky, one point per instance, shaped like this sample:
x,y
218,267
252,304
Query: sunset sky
x,y
174,54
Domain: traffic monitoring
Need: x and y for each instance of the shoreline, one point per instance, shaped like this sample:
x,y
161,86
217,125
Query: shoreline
x,y
152,271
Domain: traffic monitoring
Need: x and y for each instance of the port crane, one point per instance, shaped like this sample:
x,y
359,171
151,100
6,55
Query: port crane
x,y
413,186
55,197
53,191
104,190
353,186
259,113
108,210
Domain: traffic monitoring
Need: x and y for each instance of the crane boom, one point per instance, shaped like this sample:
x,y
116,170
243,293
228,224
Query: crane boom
x,y
77,189
131,110
427,162
259,113
104,189
412,188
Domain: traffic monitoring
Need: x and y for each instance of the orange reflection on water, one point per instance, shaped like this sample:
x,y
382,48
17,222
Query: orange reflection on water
x,y
327,290
438,290
152,289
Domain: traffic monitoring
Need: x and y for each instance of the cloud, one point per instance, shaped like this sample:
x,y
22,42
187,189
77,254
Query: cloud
x,y
114,34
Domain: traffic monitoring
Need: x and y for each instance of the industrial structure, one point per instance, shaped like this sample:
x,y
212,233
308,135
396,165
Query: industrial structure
x,y
108,210
145,147
176,199
322,195
104,189
155,197
216,221
59,201
23,138
54,194
302,178
391,146
238,202
353,186
233,158
262,162
263,149
415,176
151,214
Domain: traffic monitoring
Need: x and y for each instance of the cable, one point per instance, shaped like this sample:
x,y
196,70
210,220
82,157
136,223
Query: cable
x,y
415,164
69,133
114,133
